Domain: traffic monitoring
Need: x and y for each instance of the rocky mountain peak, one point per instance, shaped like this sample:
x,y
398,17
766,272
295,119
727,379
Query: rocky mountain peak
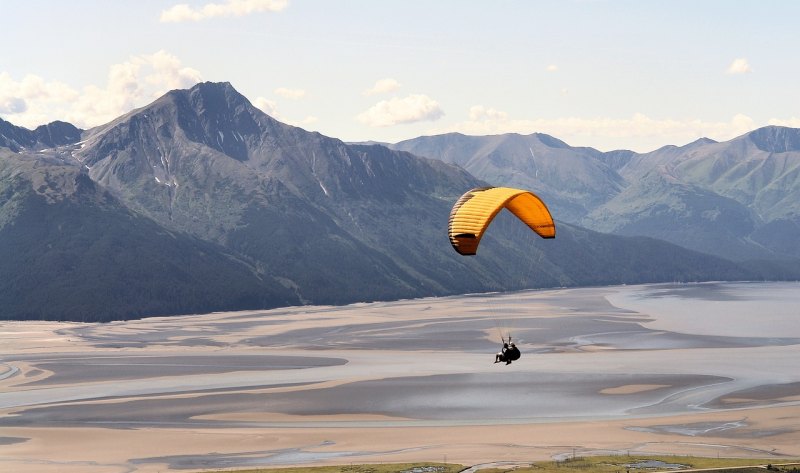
x,y
700,142
776,139
550,141
57,133
216,115
12,137
211,114
211,100
53,134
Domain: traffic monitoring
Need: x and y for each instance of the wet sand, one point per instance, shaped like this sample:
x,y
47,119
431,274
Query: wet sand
x,y
603,370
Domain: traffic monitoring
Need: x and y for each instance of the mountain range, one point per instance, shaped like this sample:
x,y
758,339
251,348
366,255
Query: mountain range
x,y
738,199
201,202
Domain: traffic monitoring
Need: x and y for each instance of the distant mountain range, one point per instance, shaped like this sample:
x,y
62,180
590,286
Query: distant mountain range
x,y
738,199
201,202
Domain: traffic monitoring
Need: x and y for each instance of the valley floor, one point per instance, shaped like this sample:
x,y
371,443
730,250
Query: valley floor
x,y
661,369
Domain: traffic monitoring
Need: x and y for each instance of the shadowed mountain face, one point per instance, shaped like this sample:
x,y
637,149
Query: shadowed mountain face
x,y
199,202
71,251
46,136
335,222
721,198
776,139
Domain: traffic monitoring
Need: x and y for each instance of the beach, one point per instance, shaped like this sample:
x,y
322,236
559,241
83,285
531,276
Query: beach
x,y
702,369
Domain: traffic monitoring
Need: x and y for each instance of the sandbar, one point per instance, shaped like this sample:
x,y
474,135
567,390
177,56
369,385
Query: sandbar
x,y
403,381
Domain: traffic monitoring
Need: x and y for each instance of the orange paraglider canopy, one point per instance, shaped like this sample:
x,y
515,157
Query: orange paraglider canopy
x,y
475,210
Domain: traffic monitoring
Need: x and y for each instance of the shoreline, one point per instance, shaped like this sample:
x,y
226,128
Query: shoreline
x,y
397,381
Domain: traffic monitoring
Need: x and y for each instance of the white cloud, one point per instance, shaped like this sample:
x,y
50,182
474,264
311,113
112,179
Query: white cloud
x,y
411,109
480,113
132,84
271,108
33,101
11,105
383,86
290,93
739,66
637,129
185,12
551,68
793,122
267,106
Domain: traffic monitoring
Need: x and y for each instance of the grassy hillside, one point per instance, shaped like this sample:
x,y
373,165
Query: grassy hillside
x,y
598,464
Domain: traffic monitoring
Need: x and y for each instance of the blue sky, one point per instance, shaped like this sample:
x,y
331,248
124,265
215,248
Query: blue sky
x,y
601,73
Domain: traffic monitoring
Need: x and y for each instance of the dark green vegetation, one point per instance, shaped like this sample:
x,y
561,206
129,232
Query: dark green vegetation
x,y
599,464
200,202
377,468
638,463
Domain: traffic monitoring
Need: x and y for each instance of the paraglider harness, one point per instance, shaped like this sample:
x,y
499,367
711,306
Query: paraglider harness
x,y
509,353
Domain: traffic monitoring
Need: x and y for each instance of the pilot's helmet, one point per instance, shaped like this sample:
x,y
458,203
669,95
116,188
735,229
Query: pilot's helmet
x,y
513,346
505,345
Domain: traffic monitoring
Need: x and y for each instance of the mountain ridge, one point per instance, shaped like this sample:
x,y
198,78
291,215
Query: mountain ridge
x,y
295,217
53,134
755,176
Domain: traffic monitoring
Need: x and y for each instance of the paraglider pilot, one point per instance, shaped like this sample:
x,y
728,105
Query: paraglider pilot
x,y
501,355
508,353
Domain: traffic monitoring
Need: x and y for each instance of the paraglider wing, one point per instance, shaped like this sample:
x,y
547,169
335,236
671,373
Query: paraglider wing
x,y
475,210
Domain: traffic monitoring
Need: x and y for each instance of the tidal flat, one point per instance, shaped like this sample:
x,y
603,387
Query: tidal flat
x,y
705,369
